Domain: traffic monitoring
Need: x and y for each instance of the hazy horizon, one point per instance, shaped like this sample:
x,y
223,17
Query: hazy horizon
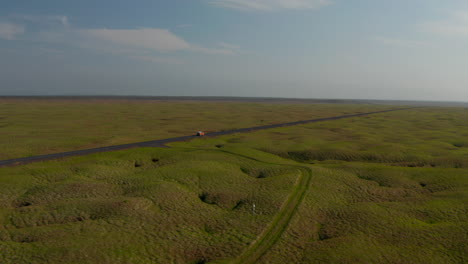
x,y
223,98
315,49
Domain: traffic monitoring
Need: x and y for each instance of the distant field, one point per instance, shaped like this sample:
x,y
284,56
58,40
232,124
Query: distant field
x,y
425,137
32,127
387,188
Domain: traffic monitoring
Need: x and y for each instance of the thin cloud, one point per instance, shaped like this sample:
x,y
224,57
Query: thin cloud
x,y
43,20
64,21
12,26
223,48
10,31
270,5
185,26
213,51
404,43
229,46
161,40
455,25
144,44
155,59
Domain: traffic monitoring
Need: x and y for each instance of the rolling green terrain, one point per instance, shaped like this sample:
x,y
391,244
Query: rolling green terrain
x,y
386,188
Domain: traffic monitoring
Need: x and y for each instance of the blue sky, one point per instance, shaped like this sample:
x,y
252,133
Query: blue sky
x,y
368,49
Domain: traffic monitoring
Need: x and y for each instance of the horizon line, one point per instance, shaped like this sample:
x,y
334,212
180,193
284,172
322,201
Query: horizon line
x,y
225,97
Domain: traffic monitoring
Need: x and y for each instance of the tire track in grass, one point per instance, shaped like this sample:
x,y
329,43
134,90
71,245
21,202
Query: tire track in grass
x,y
276,228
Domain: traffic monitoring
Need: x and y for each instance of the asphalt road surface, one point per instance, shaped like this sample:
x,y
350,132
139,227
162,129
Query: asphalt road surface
x,y
163,142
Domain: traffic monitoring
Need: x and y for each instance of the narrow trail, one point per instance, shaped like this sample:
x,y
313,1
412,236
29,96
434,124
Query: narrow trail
x,y
163,142
276,228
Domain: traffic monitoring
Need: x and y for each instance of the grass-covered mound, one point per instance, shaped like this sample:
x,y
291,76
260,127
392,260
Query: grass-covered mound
x,y
177,206
361,213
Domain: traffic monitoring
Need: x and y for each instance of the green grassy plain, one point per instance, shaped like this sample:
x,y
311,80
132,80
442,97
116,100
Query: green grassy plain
x,y
33,126
386,188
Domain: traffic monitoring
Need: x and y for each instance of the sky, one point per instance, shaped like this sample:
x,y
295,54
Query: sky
x,y
360,49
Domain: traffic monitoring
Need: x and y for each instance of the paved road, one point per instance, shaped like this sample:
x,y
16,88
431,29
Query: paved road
x,y
162,142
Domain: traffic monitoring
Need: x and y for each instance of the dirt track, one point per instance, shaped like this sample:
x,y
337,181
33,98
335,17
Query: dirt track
x,y
269,237
162,142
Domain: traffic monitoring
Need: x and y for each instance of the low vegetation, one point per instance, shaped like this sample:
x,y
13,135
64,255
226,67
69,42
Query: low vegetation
x,y
34,126
387,188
